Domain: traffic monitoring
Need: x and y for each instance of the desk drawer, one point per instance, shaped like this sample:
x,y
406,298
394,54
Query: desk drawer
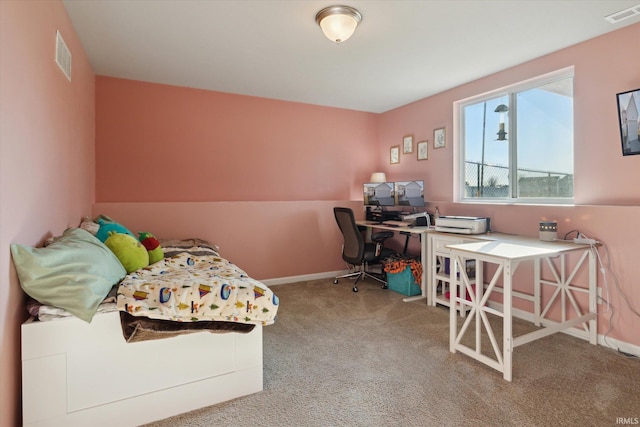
x,y
440,242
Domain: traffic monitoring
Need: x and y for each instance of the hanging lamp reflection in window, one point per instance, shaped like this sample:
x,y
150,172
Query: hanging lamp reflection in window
x,y
502,134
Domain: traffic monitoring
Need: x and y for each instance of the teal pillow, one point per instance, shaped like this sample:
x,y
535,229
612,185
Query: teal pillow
x,y
76,272
107,227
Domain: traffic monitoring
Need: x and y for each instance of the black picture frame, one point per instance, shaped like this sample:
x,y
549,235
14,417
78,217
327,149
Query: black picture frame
x,y
629,121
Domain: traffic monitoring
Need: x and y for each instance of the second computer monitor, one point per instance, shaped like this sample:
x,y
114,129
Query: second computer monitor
x,y
409,193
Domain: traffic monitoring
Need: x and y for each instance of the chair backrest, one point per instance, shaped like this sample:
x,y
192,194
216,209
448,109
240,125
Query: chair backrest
x,y
353,248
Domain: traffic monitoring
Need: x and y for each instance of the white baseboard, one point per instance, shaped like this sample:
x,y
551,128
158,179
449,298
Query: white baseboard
x,y
303,278
618,345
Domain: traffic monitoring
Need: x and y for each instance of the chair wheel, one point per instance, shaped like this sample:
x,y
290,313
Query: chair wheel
x,y
385,286
335,281
355,289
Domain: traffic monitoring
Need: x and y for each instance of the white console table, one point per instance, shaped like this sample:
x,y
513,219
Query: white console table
x,y
506,253
439,284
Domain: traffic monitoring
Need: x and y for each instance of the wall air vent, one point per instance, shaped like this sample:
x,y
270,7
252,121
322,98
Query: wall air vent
x,y
616,17
63,56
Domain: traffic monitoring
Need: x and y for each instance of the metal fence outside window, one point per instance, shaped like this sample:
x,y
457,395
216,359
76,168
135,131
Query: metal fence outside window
x,y
492,181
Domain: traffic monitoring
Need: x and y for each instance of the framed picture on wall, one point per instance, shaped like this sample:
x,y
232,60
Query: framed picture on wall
x,y
423,147
407,144
394,154
439,138
629,120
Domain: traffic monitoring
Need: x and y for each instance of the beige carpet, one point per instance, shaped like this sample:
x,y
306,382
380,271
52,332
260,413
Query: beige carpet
x,y
338,358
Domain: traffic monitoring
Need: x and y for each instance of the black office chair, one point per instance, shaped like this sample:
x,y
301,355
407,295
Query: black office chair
x,y
356,251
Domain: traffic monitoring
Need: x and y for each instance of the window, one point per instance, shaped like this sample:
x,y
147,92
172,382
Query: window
x,y
516,144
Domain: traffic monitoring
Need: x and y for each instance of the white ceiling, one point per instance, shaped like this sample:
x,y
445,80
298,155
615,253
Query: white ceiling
x,y
403,51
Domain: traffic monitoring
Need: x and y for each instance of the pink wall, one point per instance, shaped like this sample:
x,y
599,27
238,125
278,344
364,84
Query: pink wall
x,y
47,161
606,183
158,143
268,240
257,176
603,67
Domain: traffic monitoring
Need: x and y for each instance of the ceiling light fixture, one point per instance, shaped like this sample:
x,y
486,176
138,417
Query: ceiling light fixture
x,y
338,23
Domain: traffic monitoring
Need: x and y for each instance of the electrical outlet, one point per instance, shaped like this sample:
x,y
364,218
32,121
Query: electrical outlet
x,y
584,241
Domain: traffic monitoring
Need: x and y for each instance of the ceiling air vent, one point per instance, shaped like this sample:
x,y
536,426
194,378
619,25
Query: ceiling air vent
x,y
623,14
63,56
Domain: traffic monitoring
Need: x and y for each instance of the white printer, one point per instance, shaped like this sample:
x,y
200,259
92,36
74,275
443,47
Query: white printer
x,y
462,224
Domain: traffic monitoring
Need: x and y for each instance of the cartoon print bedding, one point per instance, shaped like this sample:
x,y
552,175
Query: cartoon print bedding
x,y
193,288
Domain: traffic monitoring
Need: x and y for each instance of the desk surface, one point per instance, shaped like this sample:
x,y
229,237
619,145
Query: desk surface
x,y
512,247
499,245
395,227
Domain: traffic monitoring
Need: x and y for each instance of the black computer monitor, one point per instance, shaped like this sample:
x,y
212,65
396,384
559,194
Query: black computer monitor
x,y
409,193
378,194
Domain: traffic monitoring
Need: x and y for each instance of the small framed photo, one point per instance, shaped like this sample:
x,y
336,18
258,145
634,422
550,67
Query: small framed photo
x,y
423,150
394,154
628,113
439,138
407,144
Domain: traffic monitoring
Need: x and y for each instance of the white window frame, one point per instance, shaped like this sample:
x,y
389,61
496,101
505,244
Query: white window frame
x,y
459,146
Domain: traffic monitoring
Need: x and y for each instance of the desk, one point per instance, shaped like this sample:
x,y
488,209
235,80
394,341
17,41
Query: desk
x,y
507,252
424,259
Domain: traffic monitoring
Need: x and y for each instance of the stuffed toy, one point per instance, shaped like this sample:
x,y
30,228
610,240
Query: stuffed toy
x,y
153,247
132,255
106,227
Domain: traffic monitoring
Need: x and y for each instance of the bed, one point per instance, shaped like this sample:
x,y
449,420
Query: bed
x,y
131,365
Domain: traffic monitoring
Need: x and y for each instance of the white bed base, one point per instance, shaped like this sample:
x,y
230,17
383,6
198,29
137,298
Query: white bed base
x,y
80,374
